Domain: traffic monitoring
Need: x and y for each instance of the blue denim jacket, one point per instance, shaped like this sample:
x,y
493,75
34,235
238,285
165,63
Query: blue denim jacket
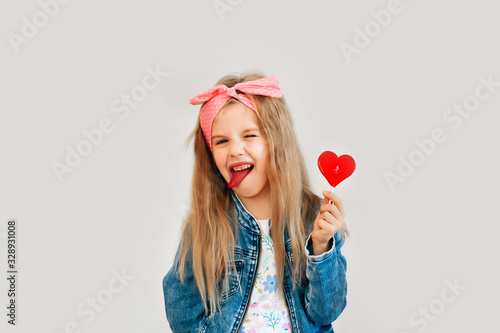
x,y
316,302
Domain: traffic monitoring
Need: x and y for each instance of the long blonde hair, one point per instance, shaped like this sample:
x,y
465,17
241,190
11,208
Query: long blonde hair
x,y
207,235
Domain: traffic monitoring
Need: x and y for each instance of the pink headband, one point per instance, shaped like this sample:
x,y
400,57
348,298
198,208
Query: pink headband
x,y
218,96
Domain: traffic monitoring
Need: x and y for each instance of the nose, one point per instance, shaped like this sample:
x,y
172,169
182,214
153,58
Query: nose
x,y
237,147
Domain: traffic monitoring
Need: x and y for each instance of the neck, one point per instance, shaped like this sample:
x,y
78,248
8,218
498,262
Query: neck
x,y
259,206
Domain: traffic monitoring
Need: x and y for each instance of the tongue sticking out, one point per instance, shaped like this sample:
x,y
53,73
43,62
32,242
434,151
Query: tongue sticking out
x,y
237,177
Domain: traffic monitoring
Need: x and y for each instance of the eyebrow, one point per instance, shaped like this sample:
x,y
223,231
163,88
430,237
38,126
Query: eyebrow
x,y
245,131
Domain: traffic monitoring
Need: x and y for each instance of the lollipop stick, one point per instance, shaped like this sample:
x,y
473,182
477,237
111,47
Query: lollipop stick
x,y
333,189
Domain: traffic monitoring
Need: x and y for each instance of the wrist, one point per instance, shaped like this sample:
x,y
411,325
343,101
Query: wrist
x,y
320,247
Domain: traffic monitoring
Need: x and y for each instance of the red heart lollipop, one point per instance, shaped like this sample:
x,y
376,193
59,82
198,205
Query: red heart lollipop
x,y
335,169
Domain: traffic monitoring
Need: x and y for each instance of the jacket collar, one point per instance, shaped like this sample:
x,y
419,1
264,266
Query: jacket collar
x,y
245,219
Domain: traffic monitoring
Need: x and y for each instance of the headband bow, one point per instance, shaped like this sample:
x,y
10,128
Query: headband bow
x,y
218,96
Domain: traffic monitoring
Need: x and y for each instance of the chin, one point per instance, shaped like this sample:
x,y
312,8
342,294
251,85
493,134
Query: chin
x,y
248,191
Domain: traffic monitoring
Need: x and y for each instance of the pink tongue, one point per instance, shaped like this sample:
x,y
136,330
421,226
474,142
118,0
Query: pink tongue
x,y
237,177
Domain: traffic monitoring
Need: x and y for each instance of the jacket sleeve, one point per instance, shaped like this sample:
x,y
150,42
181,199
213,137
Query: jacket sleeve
x,y
326,291
183,304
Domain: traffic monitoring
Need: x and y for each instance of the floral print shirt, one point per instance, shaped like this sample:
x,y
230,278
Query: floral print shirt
x,y
267,310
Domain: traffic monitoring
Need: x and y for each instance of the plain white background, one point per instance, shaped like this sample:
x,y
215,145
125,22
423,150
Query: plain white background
x,y
120,209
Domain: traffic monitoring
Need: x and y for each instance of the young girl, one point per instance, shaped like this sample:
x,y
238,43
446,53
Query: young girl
x,y
259,251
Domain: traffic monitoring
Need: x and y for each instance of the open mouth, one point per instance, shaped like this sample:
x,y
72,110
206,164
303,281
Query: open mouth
x,y
238,174
241,168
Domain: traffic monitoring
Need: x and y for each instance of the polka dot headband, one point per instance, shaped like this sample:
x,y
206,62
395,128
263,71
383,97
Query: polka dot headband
x,y
218,96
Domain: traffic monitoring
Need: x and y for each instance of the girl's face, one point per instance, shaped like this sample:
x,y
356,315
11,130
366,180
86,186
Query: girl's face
x,y
236,138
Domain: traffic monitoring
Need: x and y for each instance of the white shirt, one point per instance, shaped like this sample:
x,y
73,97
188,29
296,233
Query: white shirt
x,y
267,310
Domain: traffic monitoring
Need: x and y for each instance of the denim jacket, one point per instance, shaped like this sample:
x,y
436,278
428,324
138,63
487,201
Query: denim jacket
x,y
314,304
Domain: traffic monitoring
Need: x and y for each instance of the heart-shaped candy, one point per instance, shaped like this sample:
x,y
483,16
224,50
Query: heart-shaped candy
x,y
335,169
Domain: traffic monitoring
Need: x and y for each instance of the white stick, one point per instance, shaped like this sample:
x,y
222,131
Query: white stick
x,y
333,189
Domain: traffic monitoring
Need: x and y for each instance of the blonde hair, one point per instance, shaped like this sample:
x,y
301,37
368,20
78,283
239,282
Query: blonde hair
x,y
208,236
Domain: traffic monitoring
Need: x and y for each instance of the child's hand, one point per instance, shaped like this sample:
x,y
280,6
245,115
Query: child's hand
x,y
329,220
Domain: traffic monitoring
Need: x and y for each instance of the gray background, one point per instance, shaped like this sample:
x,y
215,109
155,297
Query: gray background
x,y
122,207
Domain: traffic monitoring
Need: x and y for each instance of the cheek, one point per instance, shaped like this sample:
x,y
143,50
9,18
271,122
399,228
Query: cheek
x,y
219,161
260,151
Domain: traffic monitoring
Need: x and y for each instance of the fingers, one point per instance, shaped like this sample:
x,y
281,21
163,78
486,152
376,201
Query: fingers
x,y
330,218
331,210
326,227
335,199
